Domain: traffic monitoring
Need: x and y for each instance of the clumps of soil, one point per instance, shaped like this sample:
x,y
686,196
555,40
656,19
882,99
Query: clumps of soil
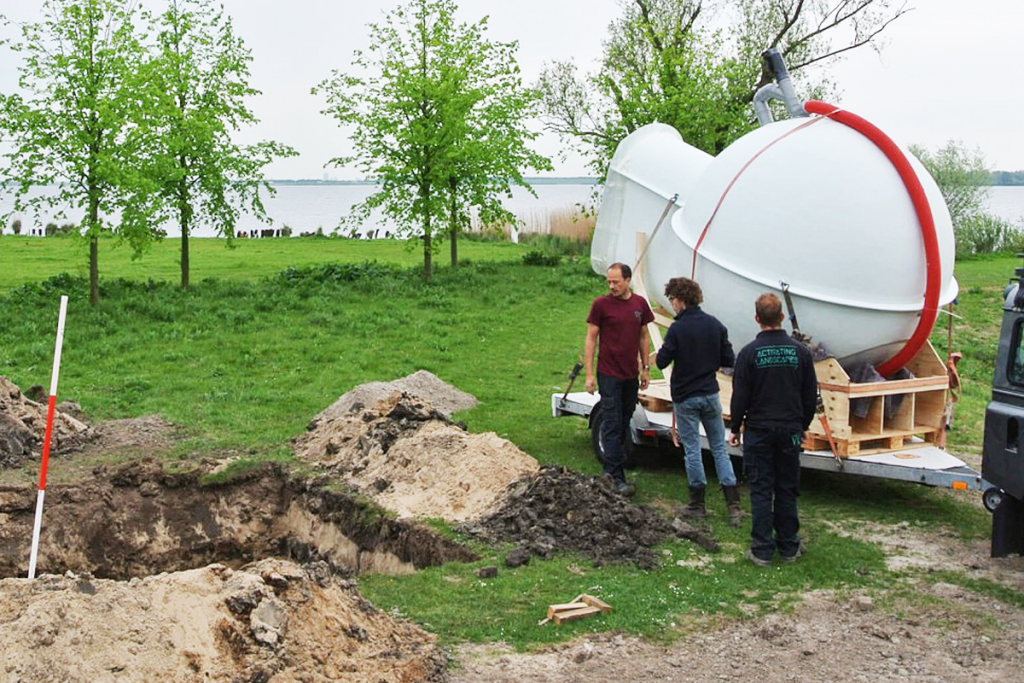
x,y
270,620
408,456
23,428
559,509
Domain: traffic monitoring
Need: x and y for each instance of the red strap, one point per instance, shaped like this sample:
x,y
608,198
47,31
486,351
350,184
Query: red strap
x,y
933,283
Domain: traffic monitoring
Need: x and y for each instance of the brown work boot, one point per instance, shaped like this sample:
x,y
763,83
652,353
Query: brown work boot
x,y
732,504
695,508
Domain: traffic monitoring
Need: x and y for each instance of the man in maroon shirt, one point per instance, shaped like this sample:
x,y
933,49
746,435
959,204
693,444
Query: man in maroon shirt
x,y
617,329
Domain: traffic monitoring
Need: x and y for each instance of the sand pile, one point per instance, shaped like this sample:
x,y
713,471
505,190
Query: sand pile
x,y
421,384
562,510
408,456
272,620
23,428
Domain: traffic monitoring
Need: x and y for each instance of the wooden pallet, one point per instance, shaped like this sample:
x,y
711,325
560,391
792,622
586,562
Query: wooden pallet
x,y
918,420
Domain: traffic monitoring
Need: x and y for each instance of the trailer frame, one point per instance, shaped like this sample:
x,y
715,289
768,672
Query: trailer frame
x,y
926,464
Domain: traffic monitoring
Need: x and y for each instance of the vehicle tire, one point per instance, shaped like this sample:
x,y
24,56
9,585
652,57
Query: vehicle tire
x,y
597,441
992,497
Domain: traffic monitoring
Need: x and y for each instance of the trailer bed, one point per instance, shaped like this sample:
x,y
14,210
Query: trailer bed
x,y
923,463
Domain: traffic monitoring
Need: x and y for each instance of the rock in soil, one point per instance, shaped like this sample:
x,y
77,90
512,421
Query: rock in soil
x,y
562,510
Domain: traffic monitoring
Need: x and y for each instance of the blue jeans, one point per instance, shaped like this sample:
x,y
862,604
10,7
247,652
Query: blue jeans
x,y
618,401
771,462
690,414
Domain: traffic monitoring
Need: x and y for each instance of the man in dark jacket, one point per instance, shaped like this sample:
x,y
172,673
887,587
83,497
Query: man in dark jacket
x,y
697,345
774,395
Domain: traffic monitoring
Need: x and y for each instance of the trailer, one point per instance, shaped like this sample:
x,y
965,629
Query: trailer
x,y
919,462
827,210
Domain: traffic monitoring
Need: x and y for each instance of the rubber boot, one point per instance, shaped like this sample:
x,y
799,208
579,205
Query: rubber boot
x,y
732,504
695,508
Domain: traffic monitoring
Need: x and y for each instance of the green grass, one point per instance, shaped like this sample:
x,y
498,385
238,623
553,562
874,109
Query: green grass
x,y
274,331
659,604
25,260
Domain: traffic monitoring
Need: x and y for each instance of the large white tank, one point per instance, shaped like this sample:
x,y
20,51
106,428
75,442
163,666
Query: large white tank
x,y
810,202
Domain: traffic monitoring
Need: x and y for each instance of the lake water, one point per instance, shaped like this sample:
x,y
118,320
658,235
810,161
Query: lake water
x,y
307,208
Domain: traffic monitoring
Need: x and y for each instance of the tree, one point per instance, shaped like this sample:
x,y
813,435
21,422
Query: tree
x,y
696,66
200,78
76,126
489,103
963,178
437,121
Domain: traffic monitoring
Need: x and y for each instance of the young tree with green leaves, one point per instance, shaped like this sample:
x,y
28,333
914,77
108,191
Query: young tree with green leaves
x,y
437,117
75,125
696,66
199,78
963,178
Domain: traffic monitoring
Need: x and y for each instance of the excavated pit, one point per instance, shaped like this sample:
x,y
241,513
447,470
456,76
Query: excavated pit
x,y
138,520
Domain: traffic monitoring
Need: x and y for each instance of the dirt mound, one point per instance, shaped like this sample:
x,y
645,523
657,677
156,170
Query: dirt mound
x,y
23,428
269,620
421,384
559,509
410,458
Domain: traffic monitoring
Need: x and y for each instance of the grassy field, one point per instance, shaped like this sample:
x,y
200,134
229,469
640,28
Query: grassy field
x,y
274,331
26,259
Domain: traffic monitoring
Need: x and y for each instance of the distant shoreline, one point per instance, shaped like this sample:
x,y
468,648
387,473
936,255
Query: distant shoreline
x,y
573,180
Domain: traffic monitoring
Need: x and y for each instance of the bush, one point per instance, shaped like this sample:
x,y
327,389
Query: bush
x,y
16,226
984,234
536,257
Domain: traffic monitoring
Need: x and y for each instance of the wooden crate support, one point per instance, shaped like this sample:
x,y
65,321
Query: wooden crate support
x,y
916,420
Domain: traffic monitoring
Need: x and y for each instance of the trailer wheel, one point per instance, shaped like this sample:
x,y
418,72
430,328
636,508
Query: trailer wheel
x,y
991,498
597,440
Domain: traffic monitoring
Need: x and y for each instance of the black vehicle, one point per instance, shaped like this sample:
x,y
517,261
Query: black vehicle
x,y
1002,460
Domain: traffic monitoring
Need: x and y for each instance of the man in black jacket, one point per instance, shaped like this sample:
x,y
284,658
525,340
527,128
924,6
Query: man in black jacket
x,y
696,346
774,395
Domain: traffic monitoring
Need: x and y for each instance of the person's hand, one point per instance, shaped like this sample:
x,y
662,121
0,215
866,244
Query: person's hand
x,y
734,439
645,378
591,384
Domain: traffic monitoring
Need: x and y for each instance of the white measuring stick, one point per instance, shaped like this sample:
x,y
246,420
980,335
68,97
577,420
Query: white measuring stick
x,y
50,408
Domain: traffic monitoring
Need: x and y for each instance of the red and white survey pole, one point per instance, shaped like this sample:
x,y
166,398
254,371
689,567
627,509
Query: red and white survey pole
x,y
50,409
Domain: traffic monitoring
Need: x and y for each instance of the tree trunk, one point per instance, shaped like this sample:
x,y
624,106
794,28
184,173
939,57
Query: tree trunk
x,y
428,265
94,247
455,237
94,271
184,256
185,222
453,220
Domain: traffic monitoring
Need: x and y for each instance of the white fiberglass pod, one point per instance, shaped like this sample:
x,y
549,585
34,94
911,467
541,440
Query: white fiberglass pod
x,y
810,202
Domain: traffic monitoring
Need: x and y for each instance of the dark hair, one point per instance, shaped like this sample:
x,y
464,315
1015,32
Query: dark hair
x,y
627,272
768,308
686,290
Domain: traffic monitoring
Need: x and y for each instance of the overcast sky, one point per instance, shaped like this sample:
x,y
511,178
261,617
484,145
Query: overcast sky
x,y
948,71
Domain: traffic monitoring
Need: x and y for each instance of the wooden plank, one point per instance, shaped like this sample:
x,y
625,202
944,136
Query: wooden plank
x,y
596,602
896,386
565,607
572,615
